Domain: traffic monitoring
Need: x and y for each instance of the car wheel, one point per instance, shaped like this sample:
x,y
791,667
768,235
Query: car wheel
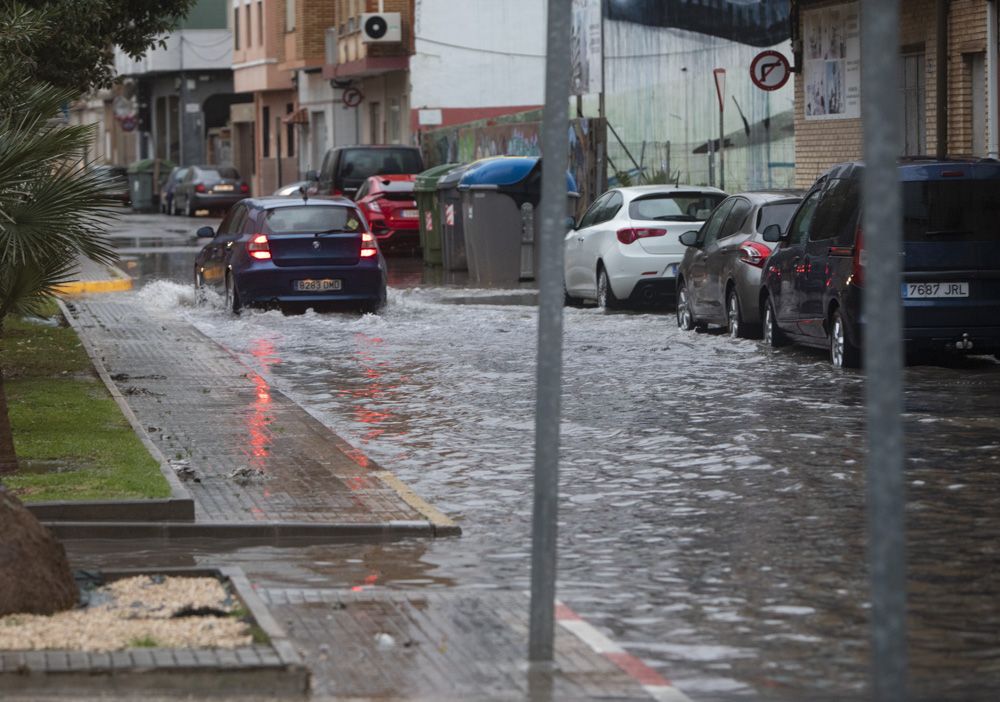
x,y
773,336
233,303
199,287
685,318
606,299
843,354
734,318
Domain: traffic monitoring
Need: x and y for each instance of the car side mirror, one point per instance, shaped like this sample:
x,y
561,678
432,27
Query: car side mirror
x,y
206,233
771,233
690,238
312,175
571,223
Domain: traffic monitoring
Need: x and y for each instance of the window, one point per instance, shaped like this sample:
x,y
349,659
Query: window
x,y
289,15
611,208
836,211
914,104
312,218
289,132
590,216
249,35
776,213
236,28
675,206
799,229
951,212
260,22
265,135
710,231
737,216
395,133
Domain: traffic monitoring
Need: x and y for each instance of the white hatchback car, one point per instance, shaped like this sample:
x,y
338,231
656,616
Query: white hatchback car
x,y
626,247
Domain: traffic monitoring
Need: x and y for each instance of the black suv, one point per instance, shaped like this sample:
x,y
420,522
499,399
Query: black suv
x,y
812,285
345,168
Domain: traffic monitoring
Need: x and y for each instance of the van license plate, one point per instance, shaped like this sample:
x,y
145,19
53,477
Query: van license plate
x,y
933,290
317,285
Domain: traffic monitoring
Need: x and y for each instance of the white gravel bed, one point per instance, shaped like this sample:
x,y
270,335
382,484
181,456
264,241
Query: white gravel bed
x,y
139,612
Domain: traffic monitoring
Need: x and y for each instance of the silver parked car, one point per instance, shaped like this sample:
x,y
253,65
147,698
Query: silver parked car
x,y
718,281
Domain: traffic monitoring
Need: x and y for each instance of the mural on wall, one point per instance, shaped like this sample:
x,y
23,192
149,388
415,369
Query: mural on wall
x,y
660,95
832,62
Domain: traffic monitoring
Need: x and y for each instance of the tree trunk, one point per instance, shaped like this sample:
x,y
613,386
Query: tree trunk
x,y
8,457
34,574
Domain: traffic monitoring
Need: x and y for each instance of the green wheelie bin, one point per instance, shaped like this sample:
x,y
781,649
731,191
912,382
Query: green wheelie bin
x,y
425,189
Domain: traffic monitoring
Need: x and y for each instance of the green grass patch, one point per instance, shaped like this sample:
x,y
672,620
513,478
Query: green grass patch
x,y
144,642
71,438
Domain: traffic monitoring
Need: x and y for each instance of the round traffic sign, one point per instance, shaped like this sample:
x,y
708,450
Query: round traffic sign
x,y
352,97
770,70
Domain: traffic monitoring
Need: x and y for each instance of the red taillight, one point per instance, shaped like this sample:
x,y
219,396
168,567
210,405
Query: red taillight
x,y
200,188
368,245
259,248
627,236
335,192
754,254
858,267
244,188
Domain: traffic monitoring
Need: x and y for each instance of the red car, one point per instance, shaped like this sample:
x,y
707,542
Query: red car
x,y
390,207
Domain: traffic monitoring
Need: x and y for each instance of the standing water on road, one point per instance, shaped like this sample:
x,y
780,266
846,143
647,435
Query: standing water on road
x,y
712,513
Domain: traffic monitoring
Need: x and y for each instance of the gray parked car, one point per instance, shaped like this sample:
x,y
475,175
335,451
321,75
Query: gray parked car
x,y
718,281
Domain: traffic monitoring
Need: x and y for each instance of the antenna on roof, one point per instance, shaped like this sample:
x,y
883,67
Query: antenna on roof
x,y
304,191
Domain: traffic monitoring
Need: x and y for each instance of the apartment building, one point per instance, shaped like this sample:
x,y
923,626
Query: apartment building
x,y
174,102
945,112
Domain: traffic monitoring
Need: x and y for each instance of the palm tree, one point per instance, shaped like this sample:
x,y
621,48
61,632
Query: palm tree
x,y
53,209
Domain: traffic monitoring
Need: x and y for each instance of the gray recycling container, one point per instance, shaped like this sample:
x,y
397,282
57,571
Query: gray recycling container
x,y
499,199
452,228
141,187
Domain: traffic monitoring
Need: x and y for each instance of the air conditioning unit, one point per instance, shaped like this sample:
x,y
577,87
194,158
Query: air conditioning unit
x,y
381,27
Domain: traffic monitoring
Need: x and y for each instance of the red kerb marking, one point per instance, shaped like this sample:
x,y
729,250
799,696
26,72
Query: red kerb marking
x,y
637,669
564,613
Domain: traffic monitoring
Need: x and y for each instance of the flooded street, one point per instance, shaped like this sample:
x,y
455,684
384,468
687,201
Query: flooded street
x,y
712,516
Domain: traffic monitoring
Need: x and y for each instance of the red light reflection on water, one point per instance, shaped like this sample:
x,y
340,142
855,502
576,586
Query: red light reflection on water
x,y
261,416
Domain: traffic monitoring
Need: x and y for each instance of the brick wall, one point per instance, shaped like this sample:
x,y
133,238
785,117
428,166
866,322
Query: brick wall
x,y
821,143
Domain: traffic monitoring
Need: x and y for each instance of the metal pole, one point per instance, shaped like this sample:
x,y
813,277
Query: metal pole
x,y
555,147
883,351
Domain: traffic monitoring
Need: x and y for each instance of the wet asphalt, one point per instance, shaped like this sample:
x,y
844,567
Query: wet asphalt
x,y
712,491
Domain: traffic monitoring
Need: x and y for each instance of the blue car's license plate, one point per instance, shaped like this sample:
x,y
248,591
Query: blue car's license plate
x,y
935,290
317,285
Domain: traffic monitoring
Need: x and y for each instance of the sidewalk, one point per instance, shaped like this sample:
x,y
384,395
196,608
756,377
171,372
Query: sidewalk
x,y
249,454
246,452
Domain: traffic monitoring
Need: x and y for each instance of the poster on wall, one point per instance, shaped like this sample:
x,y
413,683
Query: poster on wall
x,y
831,46
585,48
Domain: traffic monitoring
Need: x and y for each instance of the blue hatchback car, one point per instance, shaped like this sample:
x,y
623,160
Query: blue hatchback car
x,y
812,285
293,253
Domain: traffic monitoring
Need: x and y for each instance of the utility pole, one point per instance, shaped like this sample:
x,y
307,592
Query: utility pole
x,y
552,211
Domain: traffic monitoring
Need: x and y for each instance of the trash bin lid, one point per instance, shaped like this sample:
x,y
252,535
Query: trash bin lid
x,y
506,172
427,181
452,177
146,165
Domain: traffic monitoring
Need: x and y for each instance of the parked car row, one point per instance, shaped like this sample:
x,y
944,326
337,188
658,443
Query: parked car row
x,y
802,281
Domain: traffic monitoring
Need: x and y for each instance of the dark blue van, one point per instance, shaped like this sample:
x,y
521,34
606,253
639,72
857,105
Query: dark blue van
x,y
812,284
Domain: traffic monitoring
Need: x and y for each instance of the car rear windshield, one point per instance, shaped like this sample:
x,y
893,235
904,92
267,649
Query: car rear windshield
x,y
306,219
779,213
218,173
363,163
675,207
954,210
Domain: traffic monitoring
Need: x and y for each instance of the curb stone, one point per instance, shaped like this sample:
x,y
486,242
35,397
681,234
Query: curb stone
x,y
274,668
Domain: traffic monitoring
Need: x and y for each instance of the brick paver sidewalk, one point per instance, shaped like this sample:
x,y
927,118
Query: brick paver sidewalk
x,y
247,451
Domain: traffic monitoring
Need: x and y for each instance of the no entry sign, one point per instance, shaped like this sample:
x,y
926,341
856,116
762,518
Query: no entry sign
x,y
769,70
